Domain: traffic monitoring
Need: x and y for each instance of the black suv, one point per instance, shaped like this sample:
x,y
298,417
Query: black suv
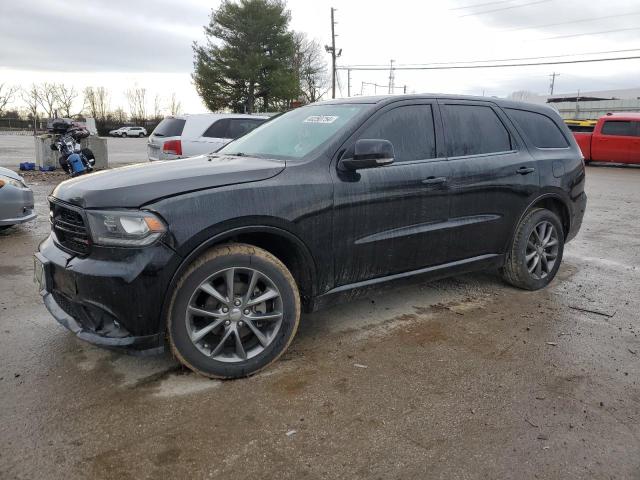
x,y
219,254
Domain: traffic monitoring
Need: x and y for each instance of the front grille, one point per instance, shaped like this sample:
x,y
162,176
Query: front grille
x,y
69,228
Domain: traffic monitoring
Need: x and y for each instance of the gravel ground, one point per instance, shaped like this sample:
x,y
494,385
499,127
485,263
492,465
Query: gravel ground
x,y
15,149
463,378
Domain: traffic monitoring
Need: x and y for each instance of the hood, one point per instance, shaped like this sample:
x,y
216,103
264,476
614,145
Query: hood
x,y
11,174
136,185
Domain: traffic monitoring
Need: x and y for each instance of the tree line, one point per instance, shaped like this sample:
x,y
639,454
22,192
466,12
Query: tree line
x,y
48,100
252,61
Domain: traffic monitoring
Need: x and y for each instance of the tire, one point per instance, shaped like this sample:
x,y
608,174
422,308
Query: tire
x,y
5,227
141,135
208,344
528,251
124,135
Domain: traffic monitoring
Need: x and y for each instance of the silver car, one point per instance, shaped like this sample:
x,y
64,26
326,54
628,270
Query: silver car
x,y
16,199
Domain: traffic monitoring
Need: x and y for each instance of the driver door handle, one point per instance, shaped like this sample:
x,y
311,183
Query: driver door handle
x,y
434,180
525,170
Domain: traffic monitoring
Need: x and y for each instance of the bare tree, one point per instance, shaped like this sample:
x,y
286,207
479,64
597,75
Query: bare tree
x,y
7,93
47,98
97,101
175,106
120,115
66,96
137,98
311,68
157,107
30,99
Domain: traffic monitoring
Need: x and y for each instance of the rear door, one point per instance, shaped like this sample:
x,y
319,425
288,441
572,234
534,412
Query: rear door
x,y
393,219
613,143
492,177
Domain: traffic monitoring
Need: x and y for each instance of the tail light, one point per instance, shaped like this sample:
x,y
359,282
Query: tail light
x,y
173,147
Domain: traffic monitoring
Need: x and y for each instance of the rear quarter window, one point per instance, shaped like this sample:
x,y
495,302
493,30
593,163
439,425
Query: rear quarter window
x,y
622,128
541,131
170,127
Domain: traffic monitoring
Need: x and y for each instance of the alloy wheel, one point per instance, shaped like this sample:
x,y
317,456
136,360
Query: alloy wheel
x,y
234,315
542,250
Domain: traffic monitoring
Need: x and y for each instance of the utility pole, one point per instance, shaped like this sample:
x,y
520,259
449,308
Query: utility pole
x,y
334,55
553,81
405,89
348,82
391,78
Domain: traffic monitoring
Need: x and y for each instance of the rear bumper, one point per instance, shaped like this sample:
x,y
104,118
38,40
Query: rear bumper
x,y
579,207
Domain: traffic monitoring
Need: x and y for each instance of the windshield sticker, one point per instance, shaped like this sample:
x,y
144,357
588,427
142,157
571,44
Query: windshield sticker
x,y
320,119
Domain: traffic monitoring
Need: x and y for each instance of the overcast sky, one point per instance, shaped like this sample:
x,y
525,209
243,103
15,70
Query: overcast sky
x,y
121,43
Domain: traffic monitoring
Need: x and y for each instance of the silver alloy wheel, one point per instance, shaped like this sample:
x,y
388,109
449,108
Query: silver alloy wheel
x,y
542,250
234,314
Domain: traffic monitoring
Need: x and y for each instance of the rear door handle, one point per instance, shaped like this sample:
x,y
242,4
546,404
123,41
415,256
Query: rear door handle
x,y
434,180
525,170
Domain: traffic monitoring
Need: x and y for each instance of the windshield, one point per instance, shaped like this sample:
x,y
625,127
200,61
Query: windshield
x,y
296,133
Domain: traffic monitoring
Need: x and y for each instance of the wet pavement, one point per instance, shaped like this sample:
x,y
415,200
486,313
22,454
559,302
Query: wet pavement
x,y
462,378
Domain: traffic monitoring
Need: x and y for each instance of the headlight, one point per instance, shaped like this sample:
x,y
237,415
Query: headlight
x,y
11,181
124,228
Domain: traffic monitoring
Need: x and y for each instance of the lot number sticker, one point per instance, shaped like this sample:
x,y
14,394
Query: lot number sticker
x,y
320,119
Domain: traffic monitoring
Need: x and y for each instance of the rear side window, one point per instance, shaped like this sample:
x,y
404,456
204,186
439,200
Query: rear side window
x,y
169,127
620,128
474,130
240,126
218,129
538,128
410,129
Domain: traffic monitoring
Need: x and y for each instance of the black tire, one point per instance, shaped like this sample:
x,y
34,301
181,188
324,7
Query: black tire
x,y
5,227
516,269
239,256
141,135
124,135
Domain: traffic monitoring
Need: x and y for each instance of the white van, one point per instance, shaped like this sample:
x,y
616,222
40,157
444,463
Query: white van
x,y
188,135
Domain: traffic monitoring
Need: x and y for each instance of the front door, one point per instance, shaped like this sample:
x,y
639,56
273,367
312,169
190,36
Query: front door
x,y
392,219
613,144
492,177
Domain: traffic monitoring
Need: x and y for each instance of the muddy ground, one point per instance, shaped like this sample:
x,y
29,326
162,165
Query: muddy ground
x,y
462,378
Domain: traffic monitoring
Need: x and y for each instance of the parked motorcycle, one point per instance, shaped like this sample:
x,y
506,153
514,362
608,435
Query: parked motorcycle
x,y
74,159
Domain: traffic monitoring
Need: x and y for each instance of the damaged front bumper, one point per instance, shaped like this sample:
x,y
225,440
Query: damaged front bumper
x,y
115,303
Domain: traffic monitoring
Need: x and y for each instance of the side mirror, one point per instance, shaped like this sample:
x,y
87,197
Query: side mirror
x,y
369,153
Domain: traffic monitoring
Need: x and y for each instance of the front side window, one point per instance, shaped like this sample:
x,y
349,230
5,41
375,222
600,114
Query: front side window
x,y
410,129
538,128
621,128
297,133
474,130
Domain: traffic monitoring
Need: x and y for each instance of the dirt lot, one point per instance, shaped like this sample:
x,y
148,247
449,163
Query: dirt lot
x,y
464,378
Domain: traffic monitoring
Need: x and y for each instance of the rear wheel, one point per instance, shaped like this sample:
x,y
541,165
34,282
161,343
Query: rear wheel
x,y
536,252
234,312
141,135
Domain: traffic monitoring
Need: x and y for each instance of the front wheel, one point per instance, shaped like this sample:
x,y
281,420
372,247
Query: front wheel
x,y
234,312
124,135
535,255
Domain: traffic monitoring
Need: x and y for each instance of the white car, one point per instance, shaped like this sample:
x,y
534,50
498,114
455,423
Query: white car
x,y
129,132
189,135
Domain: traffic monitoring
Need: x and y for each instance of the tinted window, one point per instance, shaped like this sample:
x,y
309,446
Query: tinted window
x,y
409,129
474,130
169,127
539,129
619,127
218,129
240,126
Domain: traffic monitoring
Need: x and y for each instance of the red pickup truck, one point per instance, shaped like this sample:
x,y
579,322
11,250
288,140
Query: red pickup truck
x,y
615,138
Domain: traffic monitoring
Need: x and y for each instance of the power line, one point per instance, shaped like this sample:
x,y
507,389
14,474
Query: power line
x,y
482,4
601,52
504,65
570,22
591,33
504,8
